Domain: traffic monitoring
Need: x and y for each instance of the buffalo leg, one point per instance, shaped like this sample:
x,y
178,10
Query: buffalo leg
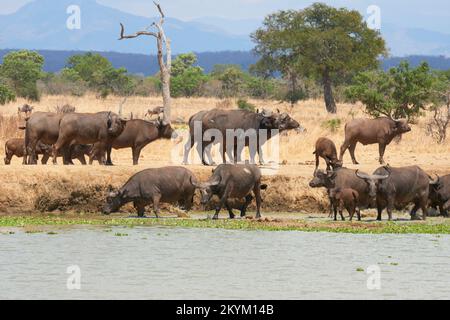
x,y
82,160
382,149
187,148
230,210
352,149
423,206
380,211
390,208
136,154
156,199
257,192
248,200
317,162
108,155
222,201
344,148
140,207
358,213
45,158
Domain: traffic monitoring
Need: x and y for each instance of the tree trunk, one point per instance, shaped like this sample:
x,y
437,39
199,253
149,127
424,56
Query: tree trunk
x,y
328,92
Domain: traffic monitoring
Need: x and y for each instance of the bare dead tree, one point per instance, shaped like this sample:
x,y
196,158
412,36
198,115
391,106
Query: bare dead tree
x,y
437,127
165,64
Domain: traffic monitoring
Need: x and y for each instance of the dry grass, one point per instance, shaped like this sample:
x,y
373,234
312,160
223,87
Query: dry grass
x,y
22,187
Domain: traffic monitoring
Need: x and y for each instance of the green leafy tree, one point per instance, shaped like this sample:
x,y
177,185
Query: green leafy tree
x,y
187,78
22,69
87,66
320,41
402,92
232,78
6,94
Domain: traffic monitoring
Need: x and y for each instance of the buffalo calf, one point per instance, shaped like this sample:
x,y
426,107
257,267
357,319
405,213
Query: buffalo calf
x,y
345,199
326,149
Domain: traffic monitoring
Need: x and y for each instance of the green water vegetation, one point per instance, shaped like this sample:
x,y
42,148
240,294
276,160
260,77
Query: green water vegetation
x,y
428,227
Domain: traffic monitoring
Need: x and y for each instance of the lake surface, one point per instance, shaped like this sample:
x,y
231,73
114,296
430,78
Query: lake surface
x,y
176,263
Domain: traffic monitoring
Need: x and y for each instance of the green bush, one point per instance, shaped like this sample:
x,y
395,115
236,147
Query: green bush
x,y
6,94
245,105
333,125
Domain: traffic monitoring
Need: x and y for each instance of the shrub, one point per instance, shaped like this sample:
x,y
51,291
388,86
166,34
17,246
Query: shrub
x,y
245,105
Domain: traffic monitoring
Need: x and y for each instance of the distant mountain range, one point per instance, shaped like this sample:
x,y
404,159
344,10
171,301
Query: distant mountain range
x,y
148,64
42,25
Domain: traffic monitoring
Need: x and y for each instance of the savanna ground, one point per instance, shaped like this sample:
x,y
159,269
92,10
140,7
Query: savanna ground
x,y
75,194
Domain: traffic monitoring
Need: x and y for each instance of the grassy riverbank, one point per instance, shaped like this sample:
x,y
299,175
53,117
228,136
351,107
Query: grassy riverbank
x,y
431,226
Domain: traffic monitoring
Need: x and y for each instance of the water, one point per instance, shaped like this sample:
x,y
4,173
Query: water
x,y
165,263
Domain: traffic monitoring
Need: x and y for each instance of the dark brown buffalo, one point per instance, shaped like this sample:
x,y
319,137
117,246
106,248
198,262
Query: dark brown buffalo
x,y
40,127
247,122
16,147
371,131
404,186
345,199
326,149
166,185
439,196
88,128
136,135
230,181
343,178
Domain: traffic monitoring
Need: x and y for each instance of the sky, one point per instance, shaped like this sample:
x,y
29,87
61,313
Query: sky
x,y
431,15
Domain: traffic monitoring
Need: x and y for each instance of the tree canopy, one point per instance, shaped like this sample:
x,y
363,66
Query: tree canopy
x,y
324,42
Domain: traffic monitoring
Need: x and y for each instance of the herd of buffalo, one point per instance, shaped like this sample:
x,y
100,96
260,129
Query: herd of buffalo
x,y
76,135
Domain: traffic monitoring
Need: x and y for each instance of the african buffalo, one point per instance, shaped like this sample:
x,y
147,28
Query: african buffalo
x,y
167,185
136,135
440,194
16,147
326,149
348,199
40,127
404,186
230,181
371,131
244,126
343,178
88,128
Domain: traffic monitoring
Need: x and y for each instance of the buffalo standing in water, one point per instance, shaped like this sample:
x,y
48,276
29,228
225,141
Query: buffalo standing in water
x,y
153,186
371,131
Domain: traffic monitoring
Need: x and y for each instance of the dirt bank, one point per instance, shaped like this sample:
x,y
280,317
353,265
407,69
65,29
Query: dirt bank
x,y
82,189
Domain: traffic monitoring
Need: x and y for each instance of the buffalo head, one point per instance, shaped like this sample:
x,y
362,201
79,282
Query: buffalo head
x,y
372,184
165,129
115,124
402,126
323,179
113,202
285,122
207,188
